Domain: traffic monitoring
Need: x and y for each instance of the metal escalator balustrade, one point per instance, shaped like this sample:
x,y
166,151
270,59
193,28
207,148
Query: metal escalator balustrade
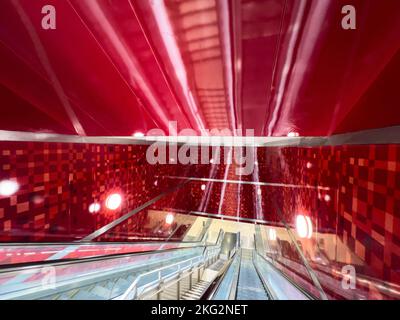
x,y
159,280
113,285
181,284
69,278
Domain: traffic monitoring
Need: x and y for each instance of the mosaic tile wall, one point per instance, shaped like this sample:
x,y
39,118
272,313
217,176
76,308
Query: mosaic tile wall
x,y
59,181
357,224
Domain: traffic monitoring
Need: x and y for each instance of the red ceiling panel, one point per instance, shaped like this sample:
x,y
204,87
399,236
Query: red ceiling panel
x,y
115,67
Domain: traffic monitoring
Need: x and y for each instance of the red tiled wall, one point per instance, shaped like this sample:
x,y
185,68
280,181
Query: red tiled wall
x,y
363,213
60,180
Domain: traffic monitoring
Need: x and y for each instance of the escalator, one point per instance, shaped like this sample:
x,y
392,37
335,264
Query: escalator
x,y
249,276
213,271
95,279
250,285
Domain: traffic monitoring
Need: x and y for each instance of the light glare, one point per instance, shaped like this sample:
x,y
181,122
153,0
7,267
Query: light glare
x,y
169,218
94,207
8,187
272,234
304,226
113,201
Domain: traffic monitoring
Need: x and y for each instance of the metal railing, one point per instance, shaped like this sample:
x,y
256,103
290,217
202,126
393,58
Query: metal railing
x,y
161,281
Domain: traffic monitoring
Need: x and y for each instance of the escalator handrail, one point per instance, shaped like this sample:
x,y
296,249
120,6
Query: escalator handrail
x,y
270,293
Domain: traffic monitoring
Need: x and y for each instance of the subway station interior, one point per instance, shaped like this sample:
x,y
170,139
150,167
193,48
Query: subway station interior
x,y
199,150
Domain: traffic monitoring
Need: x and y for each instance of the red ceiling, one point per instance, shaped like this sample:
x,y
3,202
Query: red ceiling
x,y
113,67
